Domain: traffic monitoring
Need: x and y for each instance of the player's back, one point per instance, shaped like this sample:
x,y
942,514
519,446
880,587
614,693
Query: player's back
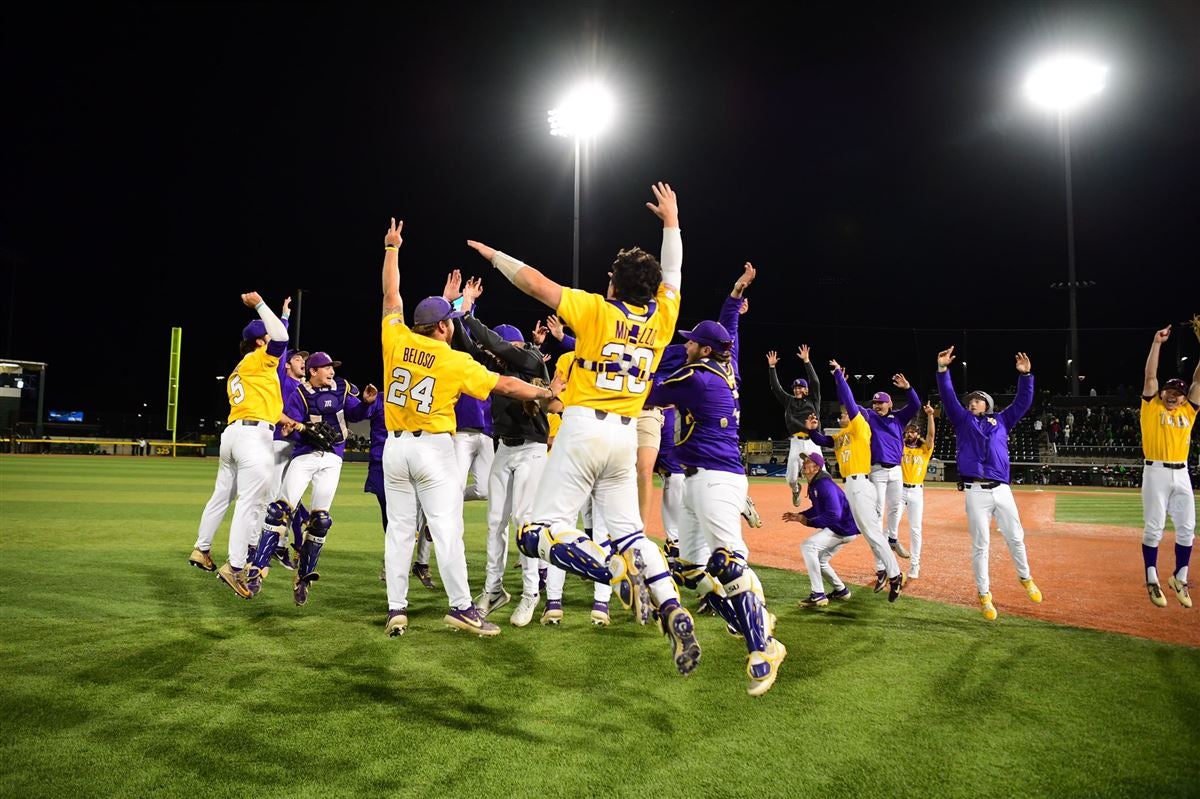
x,y
618,347
253,387
424,378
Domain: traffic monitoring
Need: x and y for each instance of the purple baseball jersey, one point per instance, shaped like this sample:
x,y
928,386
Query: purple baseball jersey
x,y
705,394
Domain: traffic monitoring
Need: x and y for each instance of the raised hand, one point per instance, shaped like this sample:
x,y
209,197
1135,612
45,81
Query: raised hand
x,y
251,299
538,334
1023,364
473,290
745,306
556,326
901,382
945,358
667,207
1162,335
929,411
286,308
837,367
803,352
772,358
392,237
453,289
481,248
748,275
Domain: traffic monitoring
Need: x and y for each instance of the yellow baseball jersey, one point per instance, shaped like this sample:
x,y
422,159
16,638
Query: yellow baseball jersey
x,y
554,420
853,447
1166,434
915,462
253,388
609,331
424,378
563,365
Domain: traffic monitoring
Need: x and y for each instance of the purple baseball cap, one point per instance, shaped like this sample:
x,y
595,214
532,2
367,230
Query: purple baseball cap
x,y
256,329
432,310
293,353
801,382
709,334
508,333
881,396
319,359
817,458
1176,384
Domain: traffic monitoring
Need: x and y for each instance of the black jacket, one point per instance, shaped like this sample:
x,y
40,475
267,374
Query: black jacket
x,y
509,419
796,411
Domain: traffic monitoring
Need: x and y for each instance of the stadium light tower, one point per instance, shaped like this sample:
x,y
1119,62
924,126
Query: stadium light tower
x,y
583,114
1061,84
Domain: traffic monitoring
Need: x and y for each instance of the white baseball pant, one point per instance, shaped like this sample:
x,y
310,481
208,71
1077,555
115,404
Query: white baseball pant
x,y
817,550
672,504
516,472
888,484
1167,492
914,500
556,577
713,502
322,470
245,472
474,452
797,448
982,505
863,505
423,467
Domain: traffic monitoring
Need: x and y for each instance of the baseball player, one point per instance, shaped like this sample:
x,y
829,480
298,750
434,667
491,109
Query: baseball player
x,y
218,504
981,438
804,401
887,445
247,453
520,459
1167,420
830,513
473,443
853,447
327,400
291,374
713,556
424,378
620,340
914,463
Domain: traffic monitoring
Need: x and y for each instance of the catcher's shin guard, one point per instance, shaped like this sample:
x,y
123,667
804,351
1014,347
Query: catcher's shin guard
x,y
744,605
300,518
266,549
570,550
314,541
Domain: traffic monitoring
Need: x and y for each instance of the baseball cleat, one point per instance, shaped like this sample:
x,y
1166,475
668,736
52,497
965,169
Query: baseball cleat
x,y
300,590
751,513
600,614
1181,591
796,495
201,559
881,579
284,556
1156,594
421,572
1035,593
914,572
524,612
254,580
630,584
680,631
763,667
397,623
813,600
236,579
986,607
840,594
705,608
470,621
895,586
552,613
488,602
898,548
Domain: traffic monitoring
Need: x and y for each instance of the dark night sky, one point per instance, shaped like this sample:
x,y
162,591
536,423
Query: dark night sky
x,y
875,161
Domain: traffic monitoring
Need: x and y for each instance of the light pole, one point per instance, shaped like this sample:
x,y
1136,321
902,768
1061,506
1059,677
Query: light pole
x,y
1062,84
582,115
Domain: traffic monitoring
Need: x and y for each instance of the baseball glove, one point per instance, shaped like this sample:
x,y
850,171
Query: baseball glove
x,y
319,435
534,407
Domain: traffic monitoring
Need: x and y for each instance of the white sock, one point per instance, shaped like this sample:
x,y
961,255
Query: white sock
x,y
1152,574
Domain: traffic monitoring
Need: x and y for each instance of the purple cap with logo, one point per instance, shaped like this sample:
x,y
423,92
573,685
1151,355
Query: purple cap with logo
x,y
508,333
256,329
709,334
817,458
800,382
319,359
432,310
293,353
881,396
1175,384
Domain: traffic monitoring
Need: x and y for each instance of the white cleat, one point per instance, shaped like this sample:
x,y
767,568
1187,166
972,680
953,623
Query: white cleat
x,y
524,612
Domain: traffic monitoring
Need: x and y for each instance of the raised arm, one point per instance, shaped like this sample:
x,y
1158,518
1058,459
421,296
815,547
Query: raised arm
x,y
1194,389
666,208
1150,381
930,413
522,360
909,411
814,382
1023,401
845,395
776,389
275,328
521,275
392,304
954,408
813,424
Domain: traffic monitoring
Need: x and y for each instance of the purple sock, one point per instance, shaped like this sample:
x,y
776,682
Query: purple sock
x,y
1183,554
1150,556
668,605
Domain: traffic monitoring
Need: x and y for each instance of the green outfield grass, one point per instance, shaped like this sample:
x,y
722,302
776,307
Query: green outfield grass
x,y
1122,509
127,673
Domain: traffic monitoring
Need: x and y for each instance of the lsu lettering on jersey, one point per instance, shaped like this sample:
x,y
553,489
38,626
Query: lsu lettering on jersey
x,y
253,388
1166,434
915,462
619,346
424,378
853,446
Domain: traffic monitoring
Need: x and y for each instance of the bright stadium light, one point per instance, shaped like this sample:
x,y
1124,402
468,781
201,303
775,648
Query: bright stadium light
x,y
1062,83
585,113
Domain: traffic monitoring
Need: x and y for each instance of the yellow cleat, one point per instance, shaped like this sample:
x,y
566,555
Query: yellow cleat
x,y
1156,594
202,559
763,667
1035,594
986,607
1181,591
